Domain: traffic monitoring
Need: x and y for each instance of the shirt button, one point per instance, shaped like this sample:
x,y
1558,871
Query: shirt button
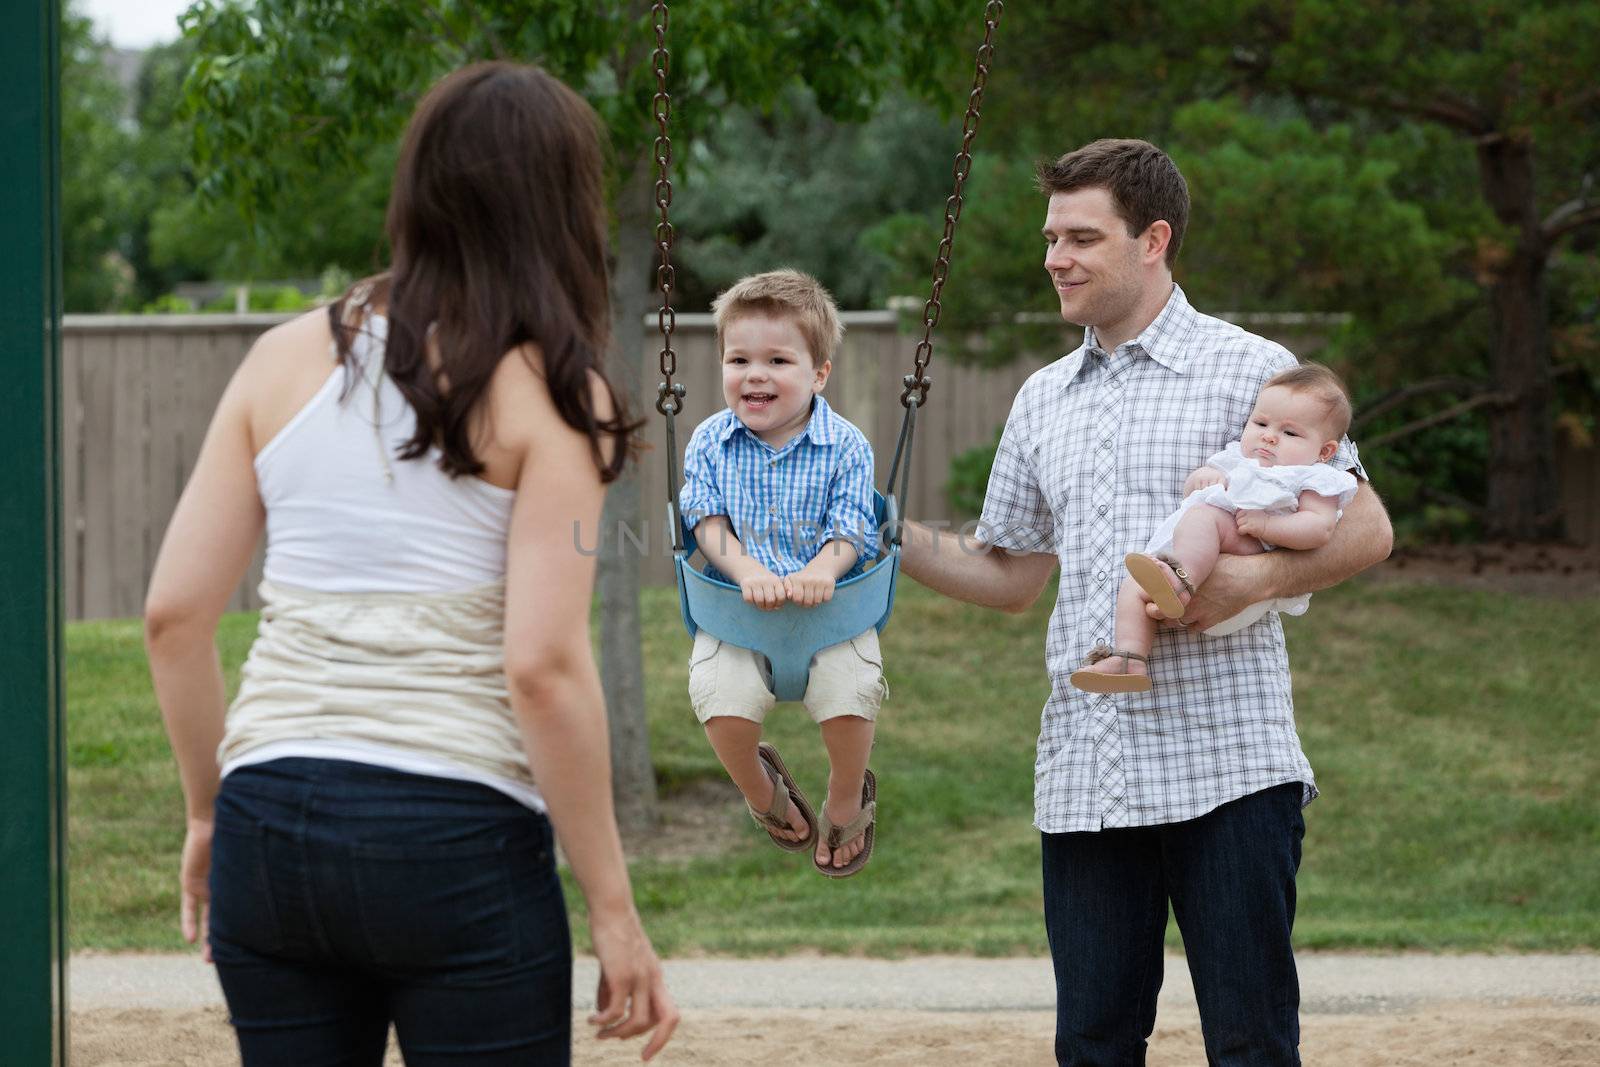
x,y
1104,508
1106,443
1101,576
772,511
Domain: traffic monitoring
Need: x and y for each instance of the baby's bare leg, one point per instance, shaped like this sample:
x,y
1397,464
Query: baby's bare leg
x,y
1205,533
1135,632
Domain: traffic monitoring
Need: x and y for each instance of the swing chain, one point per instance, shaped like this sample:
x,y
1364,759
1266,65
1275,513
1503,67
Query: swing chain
x,y
669,394
916,385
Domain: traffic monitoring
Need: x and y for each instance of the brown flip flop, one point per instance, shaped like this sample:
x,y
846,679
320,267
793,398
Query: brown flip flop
x,y
784,793
1099,682
1152,578
835,836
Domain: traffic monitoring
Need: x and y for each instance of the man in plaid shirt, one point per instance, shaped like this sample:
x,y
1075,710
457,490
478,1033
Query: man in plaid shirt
x,y
1191,793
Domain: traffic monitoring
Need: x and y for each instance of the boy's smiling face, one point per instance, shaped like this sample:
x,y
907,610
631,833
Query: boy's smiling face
x,y
768,378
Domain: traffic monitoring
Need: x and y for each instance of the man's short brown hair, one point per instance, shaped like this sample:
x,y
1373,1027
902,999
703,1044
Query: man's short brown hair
x,y
1144,184
1322,383
789,294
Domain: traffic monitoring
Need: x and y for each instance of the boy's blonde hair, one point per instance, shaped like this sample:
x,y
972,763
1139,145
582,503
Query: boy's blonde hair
x,y
1325,385
790,294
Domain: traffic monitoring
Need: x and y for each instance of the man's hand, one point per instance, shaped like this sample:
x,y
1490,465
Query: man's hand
x,y
1234,584
1203,477
765,590
809,587
1252,524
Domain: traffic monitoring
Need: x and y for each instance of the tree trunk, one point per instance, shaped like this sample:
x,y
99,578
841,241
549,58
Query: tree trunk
x,y
1522,497
621,657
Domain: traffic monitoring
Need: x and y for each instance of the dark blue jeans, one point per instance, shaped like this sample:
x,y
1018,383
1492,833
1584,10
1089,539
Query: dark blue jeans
x,y
345,897
1230,877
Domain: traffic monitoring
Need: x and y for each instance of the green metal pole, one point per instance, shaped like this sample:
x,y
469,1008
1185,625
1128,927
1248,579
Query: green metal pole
x,y
33,957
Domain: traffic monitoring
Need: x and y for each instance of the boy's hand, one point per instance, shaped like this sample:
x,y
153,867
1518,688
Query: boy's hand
x,y
1252,523
765,590
808,588
1203,477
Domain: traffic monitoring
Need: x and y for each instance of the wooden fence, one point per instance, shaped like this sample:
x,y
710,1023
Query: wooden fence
x,y
138,392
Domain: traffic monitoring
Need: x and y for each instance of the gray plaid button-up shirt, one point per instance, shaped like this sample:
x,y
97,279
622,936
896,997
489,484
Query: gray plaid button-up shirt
x,y
1093,457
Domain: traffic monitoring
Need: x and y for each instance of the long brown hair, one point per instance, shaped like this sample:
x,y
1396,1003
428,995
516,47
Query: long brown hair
x,y
497,223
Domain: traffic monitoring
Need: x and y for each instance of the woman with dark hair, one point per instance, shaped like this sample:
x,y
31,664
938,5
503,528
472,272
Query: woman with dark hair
x,y
370,822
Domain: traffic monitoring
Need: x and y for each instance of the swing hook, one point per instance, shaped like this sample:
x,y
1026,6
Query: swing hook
x,y
669,397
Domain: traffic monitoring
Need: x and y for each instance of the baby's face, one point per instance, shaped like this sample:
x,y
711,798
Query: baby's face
x,y
1288,428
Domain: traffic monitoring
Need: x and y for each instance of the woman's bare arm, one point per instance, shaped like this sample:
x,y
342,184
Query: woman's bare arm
x,y
556,694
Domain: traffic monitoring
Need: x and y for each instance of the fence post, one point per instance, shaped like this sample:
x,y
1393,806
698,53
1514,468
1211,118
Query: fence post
x,y
33,957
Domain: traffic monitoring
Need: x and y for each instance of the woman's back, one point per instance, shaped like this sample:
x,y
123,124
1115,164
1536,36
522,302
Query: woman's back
x,y
382,633
345,515
371,838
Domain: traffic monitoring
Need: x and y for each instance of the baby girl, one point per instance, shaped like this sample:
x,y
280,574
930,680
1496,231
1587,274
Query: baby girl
x,y
1271,489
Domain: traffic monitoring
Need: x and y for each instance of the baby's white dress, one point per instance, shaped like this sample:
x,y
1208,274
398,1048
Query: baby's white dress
x,y
1252,487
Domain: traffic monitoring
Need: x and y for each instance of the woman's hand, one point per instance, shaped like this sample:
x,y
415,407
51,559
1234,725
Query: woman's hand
x,y
194,908
632,997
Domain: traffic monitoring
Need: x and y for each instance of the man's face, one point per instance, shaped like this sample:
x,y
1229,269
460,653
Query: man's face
x,y
1093,263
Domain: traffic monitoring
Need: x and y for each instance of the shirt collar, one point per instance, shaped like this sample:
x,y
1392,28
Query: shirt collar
x,y
1165,338
822,427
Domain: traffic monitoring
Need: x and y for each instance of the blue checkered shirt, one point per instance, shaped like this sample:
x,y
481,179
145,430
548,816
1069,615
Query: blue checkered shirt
x,y
784,503
1093,457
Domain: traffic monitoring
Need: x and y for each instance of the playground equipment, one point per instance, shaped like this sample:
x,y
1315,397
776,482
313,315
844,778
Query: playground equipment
x,y
790,635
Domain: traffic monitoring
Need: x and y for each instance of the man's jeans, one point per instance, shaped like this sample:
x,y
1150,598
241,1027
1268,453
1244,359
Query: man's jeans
x,y
1230,877
345,896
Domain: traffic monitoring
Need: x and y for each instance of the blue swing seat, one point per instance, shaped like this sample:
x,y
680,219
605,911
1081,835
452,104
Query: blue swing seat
x,y
790,635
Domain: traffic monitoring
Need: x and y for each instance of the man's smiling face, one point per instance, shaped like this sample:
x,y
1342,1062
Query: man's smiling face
x,y
1092,261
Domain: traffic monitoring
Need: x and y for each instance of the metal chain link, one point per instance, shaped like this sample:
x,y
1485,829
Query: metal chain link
x,y
917,384
669,394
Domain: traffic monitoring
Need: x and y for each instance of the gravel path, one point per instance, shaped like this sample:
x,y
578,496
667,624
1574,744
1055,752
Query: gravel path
x,y
1330,983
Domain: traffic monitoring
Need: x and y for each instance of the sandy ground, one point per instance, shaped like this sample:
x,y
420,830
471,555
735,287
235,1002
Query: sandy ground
x,y
1459,1034
1359,1010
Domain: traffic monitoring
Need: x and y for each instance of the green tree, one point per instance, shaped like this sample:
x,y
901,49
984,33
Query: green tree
x,y
315,79
98,186
801,189
1428,167
326,219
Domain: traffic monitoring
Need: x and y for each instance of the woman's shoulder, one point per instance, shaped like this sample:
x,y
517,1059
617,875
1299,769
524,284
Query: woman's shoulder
x,y
521,407
282,371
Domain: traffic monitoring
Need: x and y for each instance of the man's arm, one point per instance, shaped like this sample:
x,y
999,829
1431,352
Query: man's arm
x,y
1362,538
967,569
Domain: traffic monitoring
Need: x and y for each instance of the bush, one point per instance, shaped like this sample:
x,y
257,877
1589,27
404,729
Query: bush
x,y
969,478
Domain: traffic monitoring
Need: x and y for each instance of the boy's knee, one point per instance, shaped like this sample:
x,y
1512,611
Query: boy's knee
x,y
847,680
725,681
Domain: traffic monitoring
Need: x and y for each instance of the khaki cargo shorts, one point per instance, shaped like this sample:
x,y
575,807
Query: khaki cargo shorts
x,y
846,679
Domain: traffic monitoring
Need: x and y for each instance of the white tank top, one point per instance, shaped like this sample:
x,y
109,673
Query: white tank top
x,y
381,637
344,515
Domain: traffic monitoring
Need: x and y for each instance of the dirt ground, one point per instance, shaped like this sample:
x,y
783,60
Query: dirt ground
x,y
1559,571
1445,1036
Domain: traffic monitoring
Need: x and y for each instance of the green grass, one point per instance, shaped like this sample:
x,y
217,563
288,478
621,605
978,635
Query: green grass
x,y
1453,732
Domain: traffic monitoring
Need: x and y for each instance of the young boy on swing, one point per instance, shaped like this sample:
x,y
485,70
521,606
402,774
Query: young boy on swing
x,y
778,490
